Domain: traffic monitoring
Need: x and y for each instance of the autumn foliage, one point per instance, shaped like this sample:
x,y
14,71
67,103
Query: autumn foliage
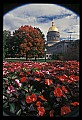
x,y
31,41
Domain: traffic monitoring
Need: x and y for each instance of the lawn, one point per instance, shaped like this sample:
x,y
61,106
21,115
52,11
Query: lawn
x,y
23,59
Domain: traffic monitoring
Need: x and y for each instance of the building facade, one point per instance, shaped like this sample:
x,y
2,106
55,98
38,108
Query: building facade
x,y
64,50
53,35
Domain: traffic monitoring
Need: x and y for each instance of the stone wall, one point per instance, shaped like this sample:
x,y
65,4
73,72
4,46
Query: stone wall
x,y
68,49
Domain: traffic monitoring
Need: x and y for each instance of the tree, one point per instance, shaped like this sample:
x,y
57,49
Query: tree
x,y
43,36
30,41
6,41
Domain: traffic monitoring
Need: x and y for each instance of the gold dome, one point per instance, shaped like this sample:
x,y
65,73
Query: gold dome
x,y
53,28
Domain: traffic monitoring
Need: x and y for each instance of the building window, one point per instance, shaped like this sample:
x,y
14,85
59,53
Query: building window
x,y
50,55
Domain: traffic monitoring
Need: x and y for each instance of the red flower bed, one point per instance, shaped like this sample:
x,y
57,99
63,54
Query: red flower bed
x,y
23,79
41,111
58,92
41,89
32,98
65,110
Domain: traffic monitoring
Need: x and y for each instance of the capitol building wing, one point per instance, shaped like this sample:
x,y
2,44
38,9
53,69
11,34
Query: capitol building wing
x,y
65,49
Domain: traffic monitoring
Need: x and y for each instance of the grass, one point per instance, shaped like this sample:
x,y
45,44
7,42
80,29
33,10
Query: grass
x,y
21,60
14,60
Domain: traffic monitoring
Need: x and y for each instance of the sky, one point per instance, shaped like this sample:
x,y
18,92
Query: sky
x,y
41,16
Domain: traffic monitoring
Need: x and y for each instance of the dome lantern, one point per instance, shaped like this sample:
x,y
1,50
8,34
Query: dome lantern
x,y
53,28
52,22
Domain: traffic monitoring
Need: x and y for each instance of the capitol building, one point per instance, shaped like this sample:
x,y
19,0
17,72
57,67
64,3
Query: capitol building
x,y
53,35
65,49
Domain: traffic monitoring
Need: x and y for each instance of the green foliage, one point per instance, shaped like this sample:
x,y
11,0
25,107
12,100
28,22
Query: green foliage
x,y
43,36
19,112
6,40
12,107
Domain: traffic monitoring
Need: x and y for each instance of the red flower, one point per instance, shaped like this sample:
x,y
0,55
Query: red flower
x,y
30,99
41,74
42,98
11,69
62,77
57,68
74,78
33,97
65,110
37,73
58,92
69,81
37,79
48,82
63,68
41,111
75,103
38,103
28,73
52,113
23,79
64,89
21,74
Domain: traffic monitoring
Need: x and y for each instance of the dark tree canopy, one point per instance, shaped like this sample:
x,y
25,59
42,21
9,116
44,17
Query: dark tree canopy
x,y
6,41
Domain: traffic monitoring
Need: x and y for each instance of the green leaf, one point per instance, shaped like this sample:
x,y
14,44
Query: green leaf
x,y
26,94
5,105
19,112
25,88
37,93
5,78
10,95
15,73
34,69
12,108
14,77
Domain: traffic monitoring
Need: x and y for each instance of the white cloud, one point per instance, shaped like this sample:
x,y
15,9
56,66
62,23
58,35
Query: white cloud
x,y
40,15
